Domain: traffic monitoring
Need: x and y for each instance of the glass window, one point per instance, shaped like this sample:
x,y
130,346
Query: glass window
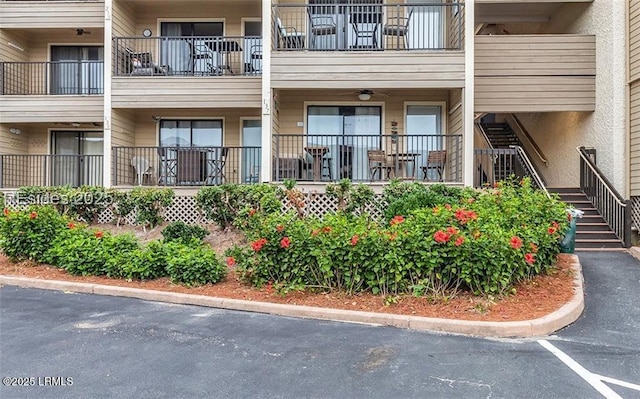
x,y
184,133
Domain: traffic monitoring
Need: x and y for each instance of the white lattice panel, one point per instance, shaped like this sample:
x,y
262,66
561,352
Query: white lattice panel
x,y
635,211
183,208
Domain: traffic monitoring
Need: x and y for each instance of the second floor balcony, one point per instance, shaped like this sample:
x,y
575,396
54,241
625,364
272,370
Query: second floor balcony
x,y
378,26
52,78
201,56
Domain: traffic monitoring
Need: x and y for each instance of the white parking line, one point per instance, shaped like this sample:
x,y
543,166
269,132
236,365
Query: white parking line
x,y
625,384
586,375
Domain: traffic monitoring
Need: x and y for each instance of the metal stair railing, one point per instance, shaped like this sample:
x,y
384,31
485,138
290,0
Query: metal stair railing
x,y
529,170
615,210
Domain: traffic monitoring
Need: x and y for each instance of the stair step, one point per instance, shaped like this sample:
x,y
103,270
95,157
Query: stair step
x,y
582,244
596,235
560,190
590,226
614,249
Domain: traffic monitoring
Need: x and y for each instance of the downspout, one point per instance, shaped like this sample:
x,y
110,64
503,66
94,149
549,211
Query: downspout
x,y
469,92
107,72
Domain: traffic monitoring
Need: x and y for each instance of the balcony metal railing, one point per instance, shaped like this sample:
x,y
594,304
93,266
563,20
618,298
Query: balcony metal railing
x,y
52,78
615,210
360,157
185,166
188,56
50,170
368,26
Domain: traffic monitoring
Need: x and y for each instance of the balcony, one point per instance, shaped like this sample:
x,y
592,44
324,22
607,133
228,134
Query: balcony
x,y
368,158
51,91
52,78
351,45
50,170
202,71
38,14
185,166
535,73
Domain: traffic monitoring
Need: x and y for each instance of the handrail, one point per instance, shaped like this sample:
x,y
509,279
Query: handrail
x,y
523,132
531,170
615,210
484,134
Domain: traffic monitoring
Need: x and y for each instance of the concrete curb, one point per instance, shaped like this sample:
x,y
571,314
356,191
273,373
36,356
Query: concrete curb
x,y
554,321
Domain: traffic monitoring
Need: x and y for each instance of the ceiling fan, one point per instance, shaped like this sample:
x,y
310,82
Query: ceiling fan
x,y
365,94
81,31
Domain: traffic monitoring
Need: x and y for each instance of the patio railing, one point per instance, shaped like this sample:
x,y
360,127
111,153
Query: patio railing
x,y
188,56
185,166
50,170
361,157
52,78
368,26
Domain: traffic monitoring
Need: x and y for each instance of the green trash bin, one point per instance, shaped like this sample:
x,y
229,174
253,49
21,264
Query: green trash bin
x,y
568,243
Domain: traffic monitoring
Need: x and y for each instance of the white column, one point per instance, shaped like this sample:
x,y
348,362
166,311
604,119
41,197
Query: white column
x,y
108,7
267,96
468,92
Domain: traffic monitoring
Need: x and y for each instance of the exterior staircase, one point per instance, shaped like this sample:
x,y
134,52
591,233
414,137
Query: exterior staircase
x,y
500,135
592,233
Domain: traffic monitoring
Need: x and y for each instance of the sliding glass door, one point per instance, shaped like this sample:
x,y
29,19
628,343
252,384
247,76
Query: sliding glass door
x,y
424,134
188,56
77,70
77,158
347,132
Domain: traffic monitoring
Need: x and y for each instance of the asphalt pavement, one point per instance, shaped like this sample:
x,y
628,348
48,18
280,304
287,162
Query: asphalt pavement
x,y
63,345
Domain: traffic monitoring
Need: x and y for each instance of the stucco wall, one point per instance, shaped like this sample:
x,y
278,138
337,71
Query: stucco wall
x,y
558,134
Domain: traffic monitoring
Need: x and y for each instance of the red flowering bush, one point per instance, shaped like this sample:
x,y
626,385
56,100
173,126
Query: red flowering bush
x,y
28,234
482,242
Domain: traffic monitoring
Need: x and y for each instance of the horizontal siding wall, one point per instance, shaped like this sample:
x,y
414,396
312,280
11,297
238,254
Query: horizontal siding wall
x,y
51,14
634,39
186,92
535,73
123,127
123,19
51,109
634,139
388,69
10,53
11,143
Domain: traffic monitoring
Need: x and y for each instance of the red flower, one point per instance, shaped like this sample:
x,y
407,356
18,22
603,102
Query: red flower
x,y
516,242
568,216
555,224
231,261
6,212
447,207
279,228
452,230
397,220
534,247
459,241
258,244
285,242
98,234
354,239
551,230
33,215
441,237
71,225
436,209
530,258
393,236
315,232
464,216
252,212
326,229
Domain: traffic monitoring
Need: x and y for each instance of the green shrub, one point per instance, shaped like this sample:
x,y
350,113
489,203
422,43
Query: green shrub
x,y
404,197
121,205
350,198
146,263
223,204
180,231
28,234
483,241
150,204
192,264
87,202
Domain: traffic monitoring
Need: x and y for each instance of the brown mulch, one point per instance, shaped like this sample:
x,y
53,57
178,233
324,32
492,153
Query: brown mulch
x,y
536,298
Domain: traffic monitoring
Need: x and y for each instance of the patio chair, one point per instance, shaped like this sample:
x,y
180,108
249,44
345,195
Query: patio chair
x,y
142,168
398,26
256,58
205,60
288,36
435,161
320,25
379,162
142,64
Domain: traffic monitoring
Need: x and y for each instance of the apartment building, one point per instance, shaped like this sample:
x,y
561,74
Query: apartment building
x,y
192,92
